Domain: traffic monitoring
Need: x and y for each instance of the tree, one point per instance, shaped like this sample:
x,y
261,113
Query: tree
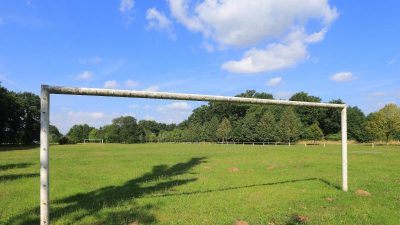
x,y
249,124
111,133
267,128
356,124
308,115
128,129
289,125
314,132
78,133
30,117
10,118
385,123
54,134
224,130
210,129
330,124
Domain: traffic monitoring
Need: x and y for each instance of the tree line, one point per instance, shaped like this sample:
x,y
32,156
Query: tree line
x,y
20,112
19,117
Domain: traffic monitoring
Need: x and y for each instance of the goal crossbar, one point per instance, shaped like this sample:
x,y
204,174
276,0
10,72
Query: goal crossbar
x,y
46,90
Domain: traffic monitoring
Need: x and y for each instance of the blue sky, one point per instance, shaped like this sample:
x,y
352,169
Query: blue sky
x,y
332,49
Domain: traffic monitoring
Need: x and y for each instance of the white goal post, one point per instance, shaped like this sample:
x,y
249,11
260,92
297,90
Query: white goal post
x,y
44,124
92,139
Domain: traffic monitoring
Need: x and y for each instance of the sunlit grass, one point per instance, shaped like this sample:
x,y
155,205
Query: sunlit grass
x,y
202,184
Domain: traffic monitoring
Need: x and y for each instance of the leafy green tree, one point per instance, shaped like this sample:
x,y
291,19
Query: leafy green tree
x,y
128,129
267,127
54,134
10,117
111,133
224,130
307,115
330,122
385,123
95,134
356,124
210,128
314,133
289,125
250,123
30,117
78,133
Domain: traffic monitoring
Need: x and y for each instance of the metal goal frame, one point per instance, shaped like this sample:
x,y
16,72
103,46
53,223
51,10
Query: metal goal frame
x,y
46,90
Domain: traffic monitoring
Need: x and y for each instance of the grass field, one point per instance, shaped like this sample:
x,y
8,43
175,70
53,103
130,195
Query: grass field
x,y
202,184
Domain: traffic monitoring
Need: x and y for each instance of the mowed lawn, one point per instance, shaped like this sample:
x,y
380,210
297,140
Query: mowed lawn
x,y
202,184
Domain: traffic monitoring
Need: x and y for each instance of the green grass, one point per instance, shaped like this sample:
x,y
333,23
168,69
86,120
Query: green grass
x,y
190,184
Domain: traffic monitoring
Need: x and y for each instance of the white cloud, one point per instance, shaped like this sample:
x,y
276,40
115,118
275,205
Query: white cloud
x,y
209,47
179,106
342,77
125,7
282,24
154,88
158,21
131,83
274,82
85,76
111,84
274,57
91,60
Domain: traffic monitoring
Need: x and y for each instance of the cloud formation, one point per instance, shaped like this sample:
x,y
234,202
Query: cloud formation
x,y
274,82
284,26
126,7
175,106
85,76
342,77
112,84
156,20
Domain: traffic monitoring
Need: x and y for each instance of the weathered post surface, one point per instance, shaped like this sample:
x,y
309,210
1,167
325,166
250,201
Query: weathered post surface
x,y
44,156
344,149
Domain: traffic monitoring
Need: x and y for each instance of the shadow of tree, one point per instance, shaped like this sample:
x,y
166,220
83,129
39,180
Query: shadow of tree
x,y
76,207
11,147
14,166
17,176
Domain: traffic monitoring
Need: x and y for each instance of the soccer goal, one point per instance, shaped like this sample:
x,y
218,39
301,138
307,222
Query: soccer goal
x,y
44,124
86,141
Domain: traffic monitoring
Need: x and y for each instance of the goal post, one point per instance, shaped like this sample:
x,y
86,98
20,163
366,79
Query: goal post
x,y
44,124
91,140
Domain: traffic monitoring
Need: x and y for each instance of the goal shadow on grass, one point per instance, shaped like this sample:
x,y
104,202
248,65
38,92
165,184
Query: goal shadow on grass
x,y
249,186
75,208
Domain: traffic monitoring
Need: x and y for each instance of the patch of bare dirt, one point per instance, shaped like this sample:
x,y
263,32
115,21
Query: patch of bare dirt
x,y
233,170
363,193
134,223
272,166
301,219
241,222
328,199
